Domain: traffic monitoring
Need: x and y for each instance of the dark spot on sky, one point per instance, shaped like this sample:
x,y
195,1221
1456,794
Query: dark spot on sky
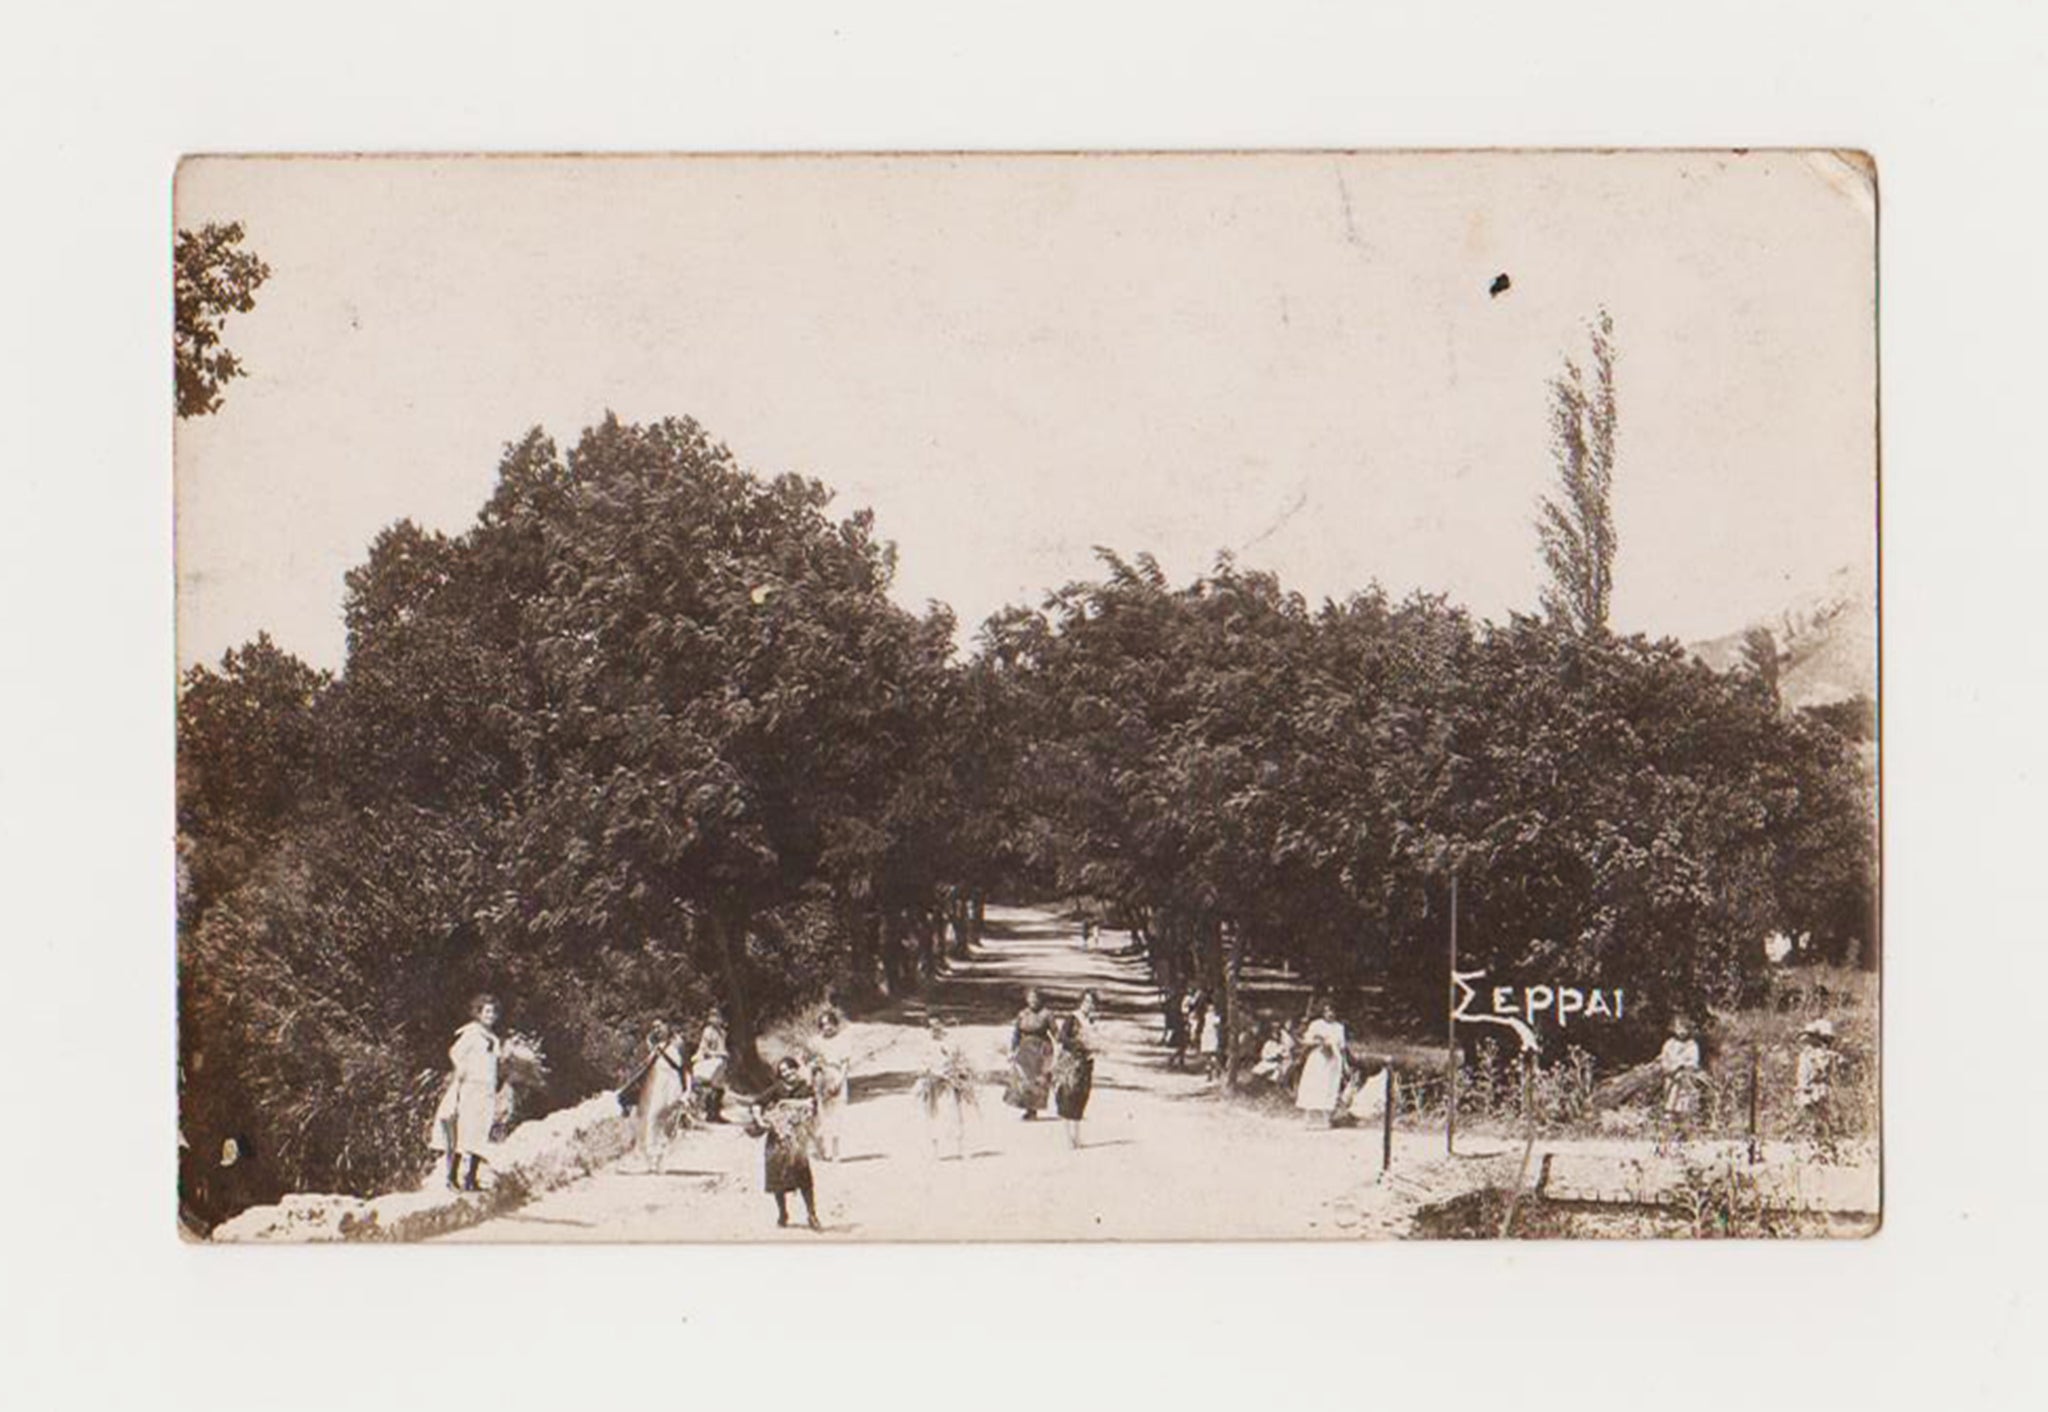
x,y
1499,286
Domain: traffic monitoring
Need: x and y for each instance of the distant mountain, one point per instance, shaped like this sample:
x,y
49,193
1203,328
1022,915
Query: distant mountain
x,y
1827,643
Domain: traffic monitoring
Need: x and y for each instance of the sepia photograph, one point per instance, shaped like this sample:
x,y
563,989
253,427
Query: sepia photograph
x,y
1197,696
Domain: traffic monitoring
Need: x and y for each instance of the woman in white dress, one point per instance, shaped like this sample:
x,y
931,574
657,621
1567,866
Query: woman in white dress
x,y
462,1124
832,1077
1322,1070
661,1093
945,1090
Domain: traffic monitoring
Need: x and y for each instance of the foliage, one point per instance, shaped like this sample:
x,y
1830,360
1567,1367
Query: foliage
x,y
651,734
648,735
1576,523
212,277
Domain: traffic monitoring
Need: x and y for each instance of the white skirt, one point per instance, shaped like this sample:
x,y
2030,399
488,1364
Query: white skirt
x,y
1322,1075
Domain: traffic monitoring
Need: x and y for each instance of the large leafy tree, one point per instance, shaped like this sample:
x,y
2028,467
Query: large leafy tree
x,y
211,278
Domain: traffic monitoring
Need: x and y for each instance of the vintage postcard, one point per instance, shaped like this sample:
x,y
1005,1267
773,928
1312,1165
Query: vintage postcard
x,y
1196,696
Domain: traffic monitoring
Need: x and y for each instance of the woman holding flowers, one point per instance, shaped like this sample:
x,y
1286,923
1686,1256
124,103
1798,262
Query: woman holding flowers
x,y
946,1088
784,1120
832,1074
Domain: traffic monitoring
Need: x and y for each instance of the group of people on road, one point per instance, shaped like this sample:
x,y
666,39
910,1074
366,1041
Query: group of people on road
x,y
1052,1059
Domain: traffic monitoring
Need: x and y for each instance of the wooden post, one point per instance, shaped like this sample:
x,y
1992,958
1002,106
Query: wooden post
x,y
1507,1221
1387,1123
1451,1035
1755,1147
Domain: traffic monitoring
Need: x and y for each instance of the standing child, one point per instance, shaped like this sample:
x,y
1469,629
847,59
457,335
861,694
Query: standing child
x,y
1212,1044
1679,1061
784,1120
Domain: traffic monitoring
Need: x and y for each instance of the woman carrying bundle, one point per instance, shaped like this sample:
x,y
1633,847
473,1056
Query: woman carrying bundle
x,y
664,1084
946,1088
832,1075
1073,1075
1030,1056
785,1118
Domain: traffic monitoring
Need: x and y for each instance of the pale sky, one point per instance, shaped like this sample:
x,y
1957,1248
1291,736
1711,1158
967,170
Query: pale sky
x,y
1013,359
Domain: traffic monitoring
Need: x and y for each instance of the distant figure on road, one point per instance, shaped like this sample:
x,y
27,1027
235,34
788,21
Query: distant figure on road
x,y
462,1124
662,1090
832,1073
1176,1037
785,1119
1073,1076
708,1066
945,1088
1088,934
1030,1056
1322,1068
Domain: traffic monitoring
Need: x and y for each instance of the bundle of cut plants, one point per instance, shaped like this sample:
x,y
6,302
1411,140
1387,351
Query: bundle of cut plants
x,y
954,1077
522,1077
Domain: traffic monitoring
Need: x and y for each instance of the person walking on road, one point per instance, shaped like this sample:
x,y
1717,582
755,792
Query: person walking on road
x,y
708,1066
462,1124
663,1086
945,1089
1322,1068
785,1120
1073,1075
832,1073
1030,1056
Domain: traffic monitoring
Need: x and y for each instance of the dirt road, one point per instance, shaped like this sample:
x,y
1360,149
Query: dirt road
x,y
1161,1159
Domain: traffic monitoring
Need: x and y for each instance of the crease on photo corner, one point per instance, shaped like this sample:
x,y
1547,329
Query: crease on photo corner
x,y
1851,172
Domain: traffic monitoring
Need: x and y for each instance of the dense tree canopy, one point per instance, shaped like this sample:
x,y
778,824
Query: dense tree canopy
x,y
652,734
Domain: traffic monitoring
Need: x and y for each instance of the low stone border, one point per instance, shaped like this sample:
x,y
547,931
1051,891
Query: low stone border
x,y
535,1157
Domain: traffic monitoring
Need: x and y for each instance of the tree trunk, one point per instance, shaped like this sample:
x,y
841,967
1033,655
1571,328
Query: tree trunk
x,y
892,952
1224,943
860,933
729,922
980,918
